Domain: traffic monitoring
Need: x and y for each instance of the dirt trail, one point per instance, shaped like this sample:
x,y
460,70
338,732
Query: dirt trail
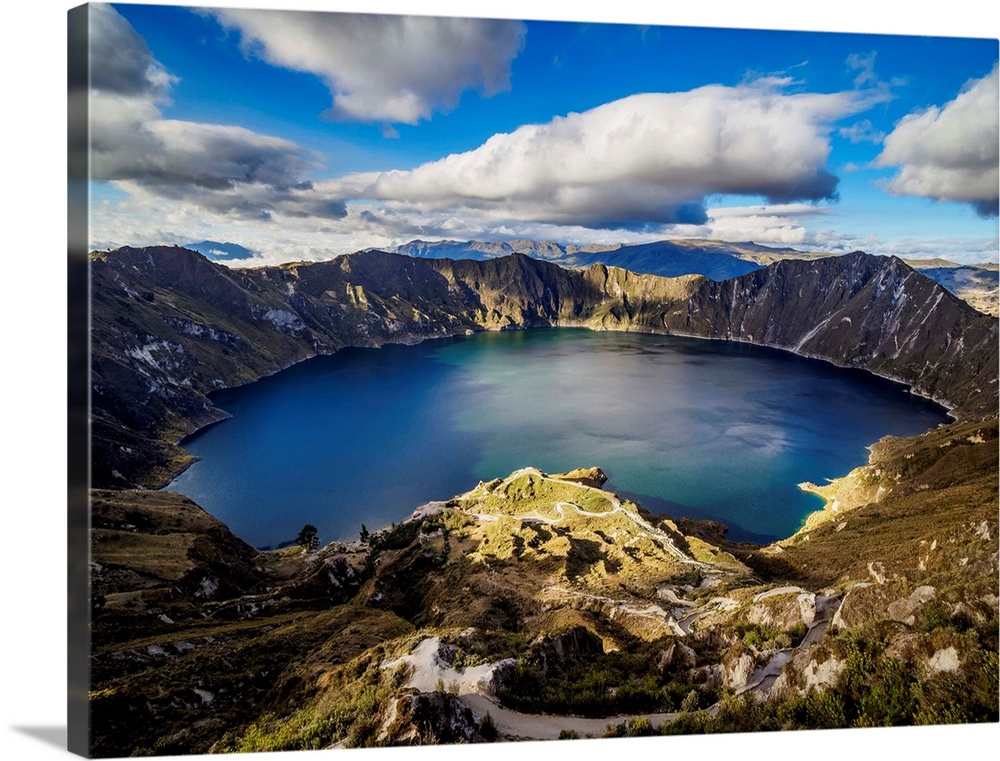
x,y
430,673
545,727
665,540
473,685
766,675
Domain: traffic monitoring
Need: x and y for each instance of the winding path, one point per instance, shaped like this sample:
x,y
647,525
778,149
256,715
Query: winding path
x,y
664,539
471,685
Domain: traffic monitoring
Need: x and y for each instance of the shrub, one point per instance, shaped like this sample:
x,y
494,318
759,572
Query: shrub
x,y
488,728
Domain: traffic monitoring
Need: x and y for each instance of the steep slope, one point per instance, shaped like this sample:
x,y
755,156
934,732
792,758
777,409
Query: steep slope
x,y
169,327
859,311
978,286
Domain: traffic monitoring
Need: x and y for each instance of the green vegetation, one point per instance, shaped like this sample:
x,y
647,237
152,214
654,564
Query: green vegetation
x,y
488,729
875,689
531,494
479,647
348,713
765,638
597,686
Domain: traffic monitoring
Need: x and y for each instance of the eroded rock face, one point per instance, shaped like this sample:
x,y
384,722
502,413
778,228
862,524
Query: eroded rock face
x,y
782,612
930,653
905,609
575,644
873,602
428,718
807,672
738,667
676,657
945,660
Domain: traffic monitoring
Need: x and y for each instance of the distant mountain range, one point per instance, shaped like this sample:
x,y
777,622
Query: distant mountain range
x,y
714,260
220,252
169,326
979,284
976,284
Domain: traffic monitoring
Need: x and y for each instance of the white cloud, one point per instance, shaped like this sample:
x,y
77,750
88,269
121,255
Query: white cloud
x,y
959,250
950,153
221,168
772,224
121,61
147,219
862,132
394,69
644,160
864,64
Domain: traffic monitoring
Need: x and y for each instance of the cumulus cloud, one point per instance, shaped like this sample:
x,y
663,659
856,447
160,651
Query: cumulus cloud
x,y
393,69
771,224
224,168
648,159
121,62
950,153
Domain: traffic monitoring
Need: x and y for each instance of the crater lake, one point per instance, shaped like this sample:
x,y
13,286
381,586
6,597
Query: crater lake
x,y
686,427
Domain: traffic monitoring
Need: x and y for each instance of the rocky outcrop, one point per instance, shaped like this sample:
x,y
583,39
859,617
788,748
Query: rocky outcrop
x,y
879,601
738,667
676,657
807,672
782,611
574,644
428,718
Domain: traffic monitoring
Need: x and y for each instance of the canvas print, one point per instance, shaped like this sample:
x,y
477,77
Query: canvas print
x,y
464,380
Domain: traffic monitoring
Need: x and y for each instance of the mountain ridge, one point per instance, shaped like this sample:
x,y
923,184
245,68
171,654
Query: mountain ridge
x,y
716,260
170,327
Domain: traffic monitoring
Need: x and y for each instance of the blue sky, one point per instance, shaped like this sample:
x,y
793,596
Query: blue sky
x,y
304,136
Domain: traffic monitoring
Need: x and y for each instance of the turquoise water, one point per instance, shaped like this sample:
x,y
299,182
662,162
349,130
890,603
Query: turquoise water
x,y
706,429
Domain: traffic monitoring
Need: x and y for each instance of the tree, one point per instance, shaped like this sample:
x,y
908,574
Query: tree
x,y
365,534
308,537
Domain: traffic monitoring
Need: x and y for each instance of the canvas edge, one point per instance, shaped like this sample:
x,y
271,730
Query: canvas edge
x,y
78,385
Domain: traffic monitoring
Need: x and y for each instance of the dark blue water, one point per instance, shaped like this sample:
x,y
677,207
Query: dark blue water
x,y
706,429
